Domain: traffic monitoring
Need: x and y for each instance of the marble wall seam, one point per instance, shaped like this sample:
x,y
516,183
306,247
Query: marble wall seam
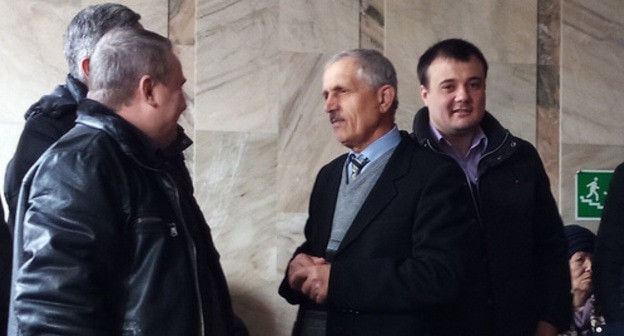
x,y
548,111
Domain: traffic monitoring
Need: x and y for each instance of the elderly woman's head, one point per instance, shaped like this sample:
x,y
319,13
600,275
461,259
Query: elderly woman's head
x,y
581,243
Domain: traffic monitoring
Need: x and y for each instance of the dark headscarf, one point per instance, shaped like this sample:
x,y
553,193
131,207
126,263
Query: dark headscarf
x,y
579,238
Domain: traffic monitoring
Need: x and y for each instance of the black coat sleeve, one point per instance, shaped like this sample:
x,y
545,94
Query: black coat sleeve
x,y
66,264
39,133
5,272
609,256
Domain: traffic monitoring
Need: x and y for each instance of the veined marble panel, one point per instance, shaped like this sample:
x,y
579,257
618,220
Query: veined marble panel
x,y
186,55
577,157
235,187
413,26
372,24
511,98
154,13
31,57
182,22
233,171
549,32
306,139
404,118
592,73
318,26
548,89
548,144
289,236
236,61
503,29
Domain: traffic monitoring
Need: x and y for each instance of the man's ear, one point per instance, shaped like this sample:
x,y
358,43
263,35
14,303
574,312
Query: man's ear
x,y
386,95
84,65
146,89
424,94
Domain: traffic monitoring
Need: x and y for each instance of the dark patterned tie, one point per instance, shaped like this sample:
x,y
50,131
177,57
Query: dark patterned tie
x,y
357,164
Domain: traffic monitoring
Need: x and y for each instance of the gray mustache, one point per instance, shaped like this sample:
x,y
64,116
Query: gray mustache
x,y
333,116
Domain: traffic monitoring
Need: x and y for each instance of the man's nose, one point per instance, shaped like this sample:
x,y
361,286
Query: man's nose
x,y
462,94
330,103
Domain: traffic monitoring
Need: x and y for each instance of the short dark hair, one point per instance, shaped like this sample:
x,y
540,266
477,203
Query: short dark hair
x,y
456,49
88,26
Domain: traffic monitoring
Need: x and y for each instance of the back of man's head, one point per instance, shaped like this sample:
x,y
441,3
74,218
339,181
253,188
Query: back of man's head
x,y
88,26
121,58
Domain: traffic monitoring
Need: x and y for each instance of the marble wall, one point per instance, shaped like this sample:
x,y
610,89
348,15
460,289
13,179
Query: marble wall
x,y
255,106
592,76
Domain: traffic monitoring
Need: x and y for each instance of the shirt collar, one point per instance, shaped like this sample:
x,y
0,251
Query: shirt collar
x,y
479,139
382,145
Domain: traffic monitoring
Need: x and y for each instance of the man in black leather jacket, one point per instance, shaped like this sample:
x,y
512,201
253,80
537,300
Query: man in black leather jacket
x,y
54,114
109,238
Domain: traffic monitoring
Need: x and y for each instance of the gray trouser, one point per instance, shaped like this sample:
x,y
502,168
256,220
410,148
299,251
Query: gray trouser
x,y
313,323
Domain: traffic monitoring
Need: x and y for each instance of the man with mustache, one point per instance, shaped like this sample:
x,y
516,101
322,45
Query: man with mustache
x,y
517,282
385,220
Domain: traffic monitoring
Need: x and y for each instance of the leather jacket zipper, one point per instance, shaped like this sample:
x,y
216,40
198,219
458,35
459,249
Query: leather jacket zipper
x,y
173,230
191,247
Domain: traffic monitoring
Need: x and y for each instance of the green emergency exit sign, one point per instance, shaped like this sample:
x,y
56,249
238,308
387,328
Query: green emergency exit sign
x,y
592,187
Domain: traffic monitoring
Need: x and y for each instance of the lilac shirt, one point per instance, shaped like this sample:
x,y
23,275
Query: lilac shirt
x,y
582,318
470,162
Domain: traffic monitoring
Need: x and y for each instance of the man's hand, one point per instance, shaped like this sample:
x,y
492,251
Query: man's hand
x,y
317,282
310,276
298,270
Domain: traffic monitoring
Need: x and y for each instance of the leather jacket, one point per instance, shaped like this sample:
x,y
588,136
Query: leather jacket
x,y
46,121
104,243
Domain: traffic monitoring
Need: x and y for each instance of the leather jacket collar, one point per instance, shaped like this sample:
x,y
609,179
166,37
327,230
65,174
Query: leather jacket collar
x,y
131,140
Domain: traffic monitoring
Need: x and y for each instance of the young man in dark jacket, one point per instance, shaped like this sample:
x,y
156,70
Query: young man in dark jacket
x,y
109,238
517,282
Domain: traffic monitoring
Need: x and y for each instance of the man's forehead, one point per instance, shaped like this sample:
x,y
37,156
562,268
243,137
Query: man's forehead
x,y
341,72
451,66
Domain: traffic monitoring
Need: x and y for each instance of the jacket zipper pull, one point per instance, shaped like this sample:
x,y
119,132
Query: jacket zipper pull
x,y
173,230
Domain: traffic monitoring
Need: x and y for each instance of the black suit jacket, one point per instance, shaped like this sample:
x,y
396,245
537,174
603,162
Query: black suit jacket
x,y
402,251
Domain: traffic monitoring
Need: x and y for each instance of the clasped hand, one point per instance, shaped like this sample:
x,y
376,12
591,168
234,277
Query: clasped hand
x,y
310,276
